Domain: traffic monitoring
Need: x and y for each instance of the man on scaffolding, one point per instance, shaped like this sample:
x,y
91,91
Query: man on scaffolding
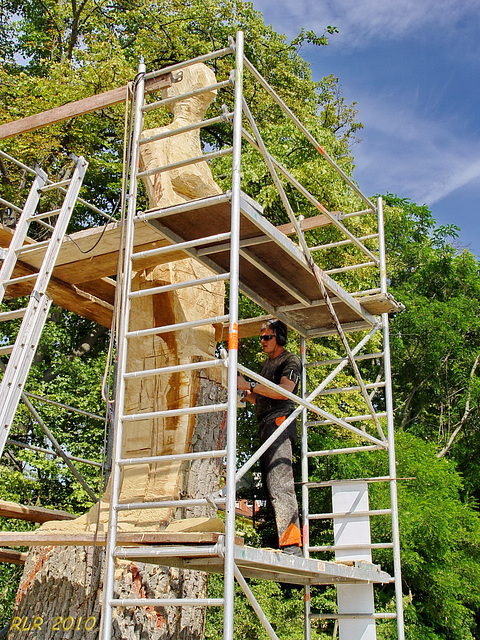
x,y
272,408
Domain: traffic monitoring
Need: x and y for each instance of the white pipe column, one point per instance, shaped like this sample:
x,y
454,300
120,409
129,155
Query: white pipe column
x,y
305,505
233,348
390,430
106,630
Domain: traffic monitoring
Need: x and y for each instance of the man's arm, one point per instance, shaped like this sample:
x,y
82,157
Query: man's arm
x,y
263,390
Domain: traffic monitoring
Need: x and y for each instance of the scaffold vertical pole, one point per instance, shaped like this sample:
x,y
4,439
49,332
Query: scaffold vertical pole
x,y
233,347
397,568
305,503
122,356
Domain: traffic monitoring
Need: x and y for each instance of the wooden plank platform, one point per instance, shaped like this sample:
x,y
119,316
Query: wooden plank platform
x,y
263,564
375,304
204,551
273,269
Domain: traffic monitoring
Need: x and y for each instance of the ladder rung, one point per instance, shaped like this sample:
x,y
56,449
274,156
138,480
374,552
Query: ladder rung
x,y
243,244
346,616
179,285
366,416
351,267
170,413
47,214
167,504
12,315
332,483
30,276
326,363
350,514
337,452
8,204
192,366
182,551
373,385
180,246
353,547
4,351
176,327
46,225
33,246
190,127
186,163
196,455
55,185
189,94
340,243
191,205
167,602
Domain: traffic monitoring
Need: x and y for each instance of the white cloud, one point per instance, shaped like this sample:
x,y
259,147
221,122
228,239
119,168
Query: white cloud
x,y
406,153
360,21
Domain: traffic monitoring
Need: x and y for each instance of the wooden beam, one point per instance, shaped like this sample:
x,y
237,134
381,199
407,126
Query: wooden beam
x,y
32,514
87,305
41,538
13,557
78,108
309,223
246,328
68,296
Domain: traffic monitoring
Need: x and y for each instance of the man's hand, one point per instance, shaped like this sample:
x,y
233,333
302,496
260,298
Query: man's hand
x,y
249,396
242,384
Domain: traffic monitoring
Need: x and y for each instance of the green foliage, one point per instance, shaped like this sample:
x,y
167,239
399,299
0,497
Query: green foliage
x,y
436,340
440,540
280,605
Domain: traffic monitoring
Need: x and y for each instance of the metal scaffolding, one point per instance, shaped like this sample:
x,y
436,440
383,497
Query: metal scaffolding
x,y
282,277
229,234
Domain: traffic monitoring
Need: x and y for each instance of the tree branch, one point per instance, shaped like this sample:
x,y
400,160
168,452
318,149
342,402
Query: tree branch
x,y
466,413
82,349
414,391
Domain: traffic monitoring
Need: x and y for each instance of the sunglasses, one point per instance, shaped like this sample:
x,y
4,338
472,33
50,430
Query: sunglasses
x,y
266,338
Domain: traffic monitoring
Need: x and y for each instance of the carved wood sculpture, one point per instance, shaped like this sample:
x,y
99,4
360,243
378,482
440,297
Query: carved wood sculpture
x,y
71,577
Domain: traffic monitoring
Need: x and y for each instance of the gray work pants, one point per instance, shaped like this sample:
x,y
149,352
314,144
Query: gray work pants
x,y
277,476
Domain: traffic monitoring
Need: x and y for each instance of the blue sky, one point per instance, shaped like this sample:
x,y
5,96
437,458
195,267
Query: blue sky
x,y
413,67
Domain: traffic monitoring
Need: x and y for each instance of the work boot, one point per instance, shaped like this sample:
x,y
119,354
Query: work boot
x,y
292,550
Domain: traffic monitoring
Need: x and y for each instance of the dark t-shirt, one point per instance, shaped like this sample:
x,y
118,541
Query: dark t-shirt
x,y
274,369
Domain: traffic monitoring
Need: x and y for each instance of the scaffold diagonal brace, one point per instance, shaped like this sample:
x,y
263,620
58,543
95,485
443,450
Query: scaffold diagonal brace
x,y
349,353
255,606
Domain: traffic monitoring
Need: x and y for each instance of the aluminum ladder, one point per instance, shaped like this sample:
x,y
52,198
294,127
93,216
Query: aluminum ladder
x,y
35,313
230,407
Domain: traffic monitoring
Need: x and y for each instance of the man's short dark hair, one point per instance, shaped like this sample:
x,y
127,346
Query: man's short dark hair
x,y
279,329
